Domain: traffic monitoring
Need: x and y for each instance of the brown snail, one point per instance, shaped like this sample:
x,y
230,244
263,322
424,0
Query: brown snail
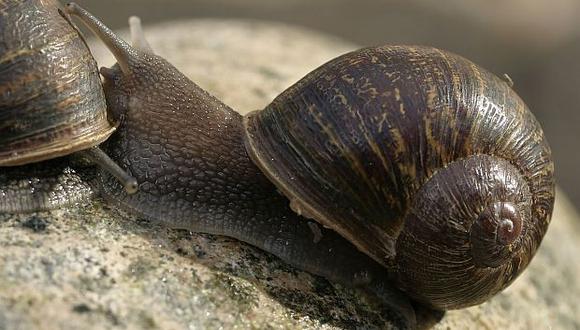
x,y
51,99
430,165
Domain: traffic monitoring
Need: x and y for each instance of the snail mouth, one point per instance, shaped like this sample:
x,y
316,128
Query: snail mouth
x,y
495,234
108,73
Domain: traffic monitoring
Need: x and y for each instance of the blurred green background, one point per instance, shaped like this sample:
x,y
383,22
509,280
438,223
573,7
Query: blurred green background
x,y
536,42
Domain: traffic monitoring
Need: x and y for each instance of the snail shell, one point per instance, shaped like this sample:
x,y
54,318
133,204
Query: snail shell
x,y
51,99
429,164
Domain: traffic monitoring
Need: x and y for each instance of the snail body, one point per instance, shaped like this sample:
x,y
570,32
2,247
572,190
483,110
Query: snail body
x,y
423,169
52,104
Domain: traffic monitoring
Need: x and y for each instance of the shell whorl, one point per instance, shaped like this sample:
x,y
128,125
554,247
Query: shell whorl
x,y
354,143
468,233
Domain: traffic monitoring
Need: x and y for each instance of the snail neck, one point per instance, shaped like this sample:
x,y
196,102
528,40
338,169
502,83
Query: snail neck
x,y
182,144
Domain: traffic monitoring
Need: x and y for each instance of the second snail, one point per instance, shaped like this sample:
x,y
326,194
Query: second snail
x,y
423,169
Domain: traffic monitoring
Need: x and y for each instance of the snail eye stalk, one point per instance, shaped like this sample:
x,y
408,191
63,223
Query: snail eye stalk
x,y
122,51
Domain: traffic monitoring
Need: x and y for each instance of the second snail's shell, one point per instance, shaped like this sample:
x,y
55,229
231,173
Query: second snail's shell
x,y
419,157
51,99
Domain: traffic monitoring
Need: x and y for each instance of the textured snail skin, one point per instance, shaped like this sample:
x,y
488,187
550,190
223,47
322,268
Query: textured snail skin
x,y
51,99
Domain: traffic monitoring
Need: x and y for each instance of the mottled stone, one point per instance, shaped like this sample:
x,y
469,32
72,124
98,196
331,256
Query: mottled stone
x,y
93,268
90,267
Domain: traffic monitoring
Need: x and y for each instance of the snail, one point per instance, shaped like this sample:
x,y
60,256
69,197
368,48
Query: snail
x,y
420,168
51,99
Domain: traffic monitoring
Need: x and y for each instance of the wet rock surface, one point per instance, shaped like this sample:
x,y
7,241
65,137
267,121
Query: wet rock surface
x,y
88,266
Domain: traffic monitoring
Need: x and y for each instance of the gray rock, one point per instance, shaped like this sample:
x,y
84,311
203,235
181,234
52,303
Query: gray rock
x,y
90,267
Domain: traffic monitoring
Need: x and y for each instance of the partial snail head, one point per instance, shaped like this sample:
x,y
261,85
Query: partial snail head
x,y
134,80
172,134
468,234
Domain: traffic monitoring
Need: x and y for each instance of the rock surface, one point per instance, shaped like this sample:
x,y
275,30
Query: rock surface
x,y
90,267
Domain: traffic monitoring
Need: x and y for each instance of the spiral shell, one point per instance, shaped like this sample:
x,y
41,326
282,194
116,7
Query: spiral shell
x,y
428,163
51,99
